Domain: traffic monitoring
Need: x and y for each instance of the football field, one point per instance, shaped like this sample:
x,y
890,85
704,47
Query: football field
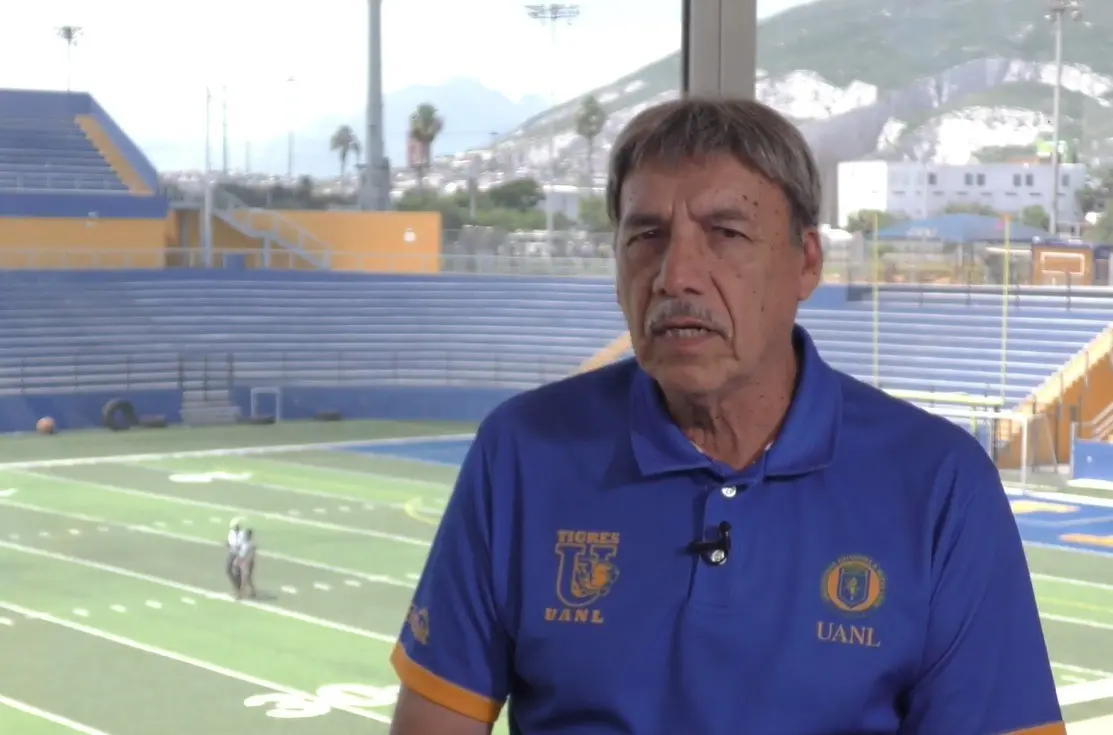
x,y
116,619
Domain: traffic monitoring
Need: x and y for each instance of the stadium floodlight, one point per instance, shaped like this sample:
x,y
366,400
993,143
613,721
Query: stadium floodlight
x,y
1057,9
551,13
69,34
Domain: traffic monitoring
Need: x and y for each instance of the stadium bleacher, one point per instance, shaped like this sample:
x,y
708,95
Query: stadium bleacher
x,y
951,342
129,330
52,154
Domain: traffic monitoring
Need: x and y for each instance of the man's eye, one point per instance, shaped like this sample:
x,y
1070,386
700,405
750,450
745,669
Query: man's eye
x,y
643,236
729,233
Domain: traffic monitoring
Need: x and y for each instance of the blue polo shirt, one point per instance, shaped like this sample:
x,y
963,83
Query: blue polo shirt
x,y
876,581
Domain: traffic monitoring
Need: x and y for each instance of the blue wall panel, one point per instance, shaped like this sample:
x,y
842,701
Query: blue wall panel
x,y
1092,460
82,206
406,403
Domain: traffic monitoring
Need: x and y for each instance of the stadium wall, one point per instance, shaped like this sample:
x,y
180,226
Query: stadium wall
x,y
127,148
88,242
384,242
18,413
1092,460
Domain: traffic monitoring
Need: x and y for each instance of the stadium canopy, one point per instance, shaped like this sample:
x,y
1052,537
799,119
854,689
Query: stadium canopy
x,y
963,228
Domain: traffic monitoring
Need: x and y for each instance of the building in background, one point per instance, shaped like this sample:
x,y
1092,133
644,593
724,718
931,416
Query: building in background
x,y
915,190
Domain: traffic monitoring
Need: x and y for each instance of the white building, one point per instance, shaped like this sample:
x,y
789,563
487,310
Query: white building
x,y
898,187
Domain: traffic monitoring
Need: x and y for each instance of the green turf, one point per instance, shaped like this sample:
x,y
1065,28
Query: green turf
x,y
132,631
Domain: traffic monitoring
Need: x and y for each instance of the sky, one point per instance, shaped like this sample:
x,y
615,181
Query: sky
x,y
149,63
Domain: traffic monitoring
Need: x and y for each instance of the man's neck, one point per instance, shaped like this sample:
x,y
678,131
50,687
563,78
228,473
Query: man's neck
x,y
736,426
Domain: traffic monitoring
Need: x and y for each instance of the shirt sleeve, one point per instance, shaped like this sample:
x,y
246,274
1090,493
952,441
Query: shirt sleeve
x,y
985,669
454,649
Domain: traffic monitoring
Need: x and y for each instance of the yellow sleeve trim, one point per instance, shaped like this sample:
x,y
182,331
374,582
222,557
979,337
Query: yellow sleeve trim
x,y
1051,728
445,693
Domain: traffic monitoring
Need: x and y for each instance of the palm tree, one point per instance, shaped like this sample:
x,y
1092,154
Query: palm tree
x,y
425,125
590,119
344,143
69,34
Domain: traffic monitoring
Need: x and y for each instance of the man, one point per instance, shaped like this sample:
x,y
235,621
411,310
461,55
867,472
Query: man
x,y
235,540
245,565
726,536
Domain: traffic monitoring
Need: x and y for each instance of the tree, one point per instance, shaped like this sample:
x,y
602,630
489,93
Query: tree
x,y
344,143
425,125
862,221
1035,216
520,195
970,208
590,120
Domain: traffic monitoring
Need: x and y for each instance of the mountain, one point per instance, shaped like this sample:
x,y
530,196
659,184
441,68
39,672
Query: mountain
x,y
904,79
472,113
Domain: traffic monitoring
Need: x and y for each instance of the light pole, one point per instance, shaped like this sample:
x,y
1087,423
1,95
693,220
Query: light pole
x,y
1057,9
70,34
550,13
291,105
375,187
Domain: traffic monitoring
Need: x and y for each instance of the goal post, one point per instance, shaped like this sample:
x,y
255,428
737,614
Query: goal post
x,y
1014,440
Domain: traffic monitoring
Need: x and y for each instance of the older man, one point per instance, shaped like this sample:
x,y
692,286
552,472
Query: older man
x,y
726,535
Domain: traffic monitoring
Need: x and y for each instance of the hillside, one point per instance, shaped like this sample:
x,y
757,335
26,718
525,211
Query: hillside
x,y
916,79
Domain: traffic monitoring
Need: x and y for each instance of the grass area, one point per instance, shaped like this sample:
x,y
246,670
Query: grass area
x,y
115,618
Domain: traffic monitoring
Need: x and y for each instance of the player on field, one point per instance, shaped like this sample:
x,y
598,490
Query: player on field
x,y
245,565
235,540
724,535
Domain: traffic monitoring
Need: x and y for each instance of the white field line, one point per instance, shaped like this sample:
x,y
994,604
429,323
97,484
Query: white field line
x,y
367,577
200,592
267,449
42,714
171,656
231,509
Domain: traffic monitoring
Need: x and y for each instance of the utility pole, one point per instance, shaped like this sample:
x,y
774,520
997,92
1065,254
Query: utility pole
x,y
1057,9
551,13
208,131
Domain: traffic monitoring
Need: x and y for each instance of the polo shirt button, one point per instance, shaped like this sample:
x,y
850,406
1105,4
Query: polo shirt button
x,y
718,556
729,492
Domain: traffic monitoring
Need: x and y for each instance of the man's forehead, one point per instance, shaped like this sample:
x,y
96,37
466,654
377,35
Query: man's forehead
x,y
710,185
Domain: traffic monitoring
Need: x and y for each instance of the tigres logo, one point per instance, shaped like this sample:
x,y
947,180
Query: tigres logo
x,y
586,573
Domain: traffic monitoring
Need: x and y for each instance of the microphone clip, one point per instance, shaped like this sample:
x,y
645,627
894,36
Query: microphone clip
x,y
717,551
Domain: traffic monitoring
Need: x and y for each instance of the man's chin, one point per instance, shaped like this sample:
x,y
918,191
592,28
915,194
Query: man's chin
x,y
686,378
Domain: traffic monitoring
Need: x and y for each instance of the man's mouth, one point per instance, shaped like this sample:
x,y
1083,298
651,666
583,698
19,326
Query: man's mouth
x,y
683,330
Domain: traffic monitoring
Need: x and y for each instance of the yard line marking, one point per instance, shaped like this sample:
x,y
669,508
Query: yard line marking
x,y
1082,670
289,590
154,604
1075,582
188,601
170,655
235,452
118,608
6,621
352,582
81,612
321,586
373,578
1071,621
42,714
208,594
234,509
75,532
1091,691
350,472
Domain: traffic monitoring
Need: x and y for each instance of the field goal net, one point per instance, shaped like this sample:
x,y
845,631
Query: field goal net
x,y
1016,441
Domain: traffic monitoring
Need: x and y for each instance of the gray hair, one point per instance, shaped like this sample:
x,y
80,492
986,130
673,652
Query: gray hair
x,y
758,136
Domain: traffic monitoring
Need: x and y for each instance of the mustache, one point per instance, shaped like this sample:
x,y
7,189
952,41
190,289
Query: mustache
x,y
664,314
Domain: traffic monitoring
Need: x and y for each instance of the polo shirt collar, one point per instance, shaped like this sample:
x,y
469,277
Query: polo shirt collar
x,y
806,442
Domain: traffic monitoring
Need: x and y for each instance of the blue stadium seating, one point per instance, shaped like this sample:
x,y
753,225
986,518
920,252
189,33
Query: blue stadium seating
x,y
327,331
46,154
129,331
952,342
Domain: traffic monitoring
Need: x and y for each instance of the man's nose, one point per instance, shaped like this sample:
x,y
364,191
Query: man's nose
x,y
684,267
